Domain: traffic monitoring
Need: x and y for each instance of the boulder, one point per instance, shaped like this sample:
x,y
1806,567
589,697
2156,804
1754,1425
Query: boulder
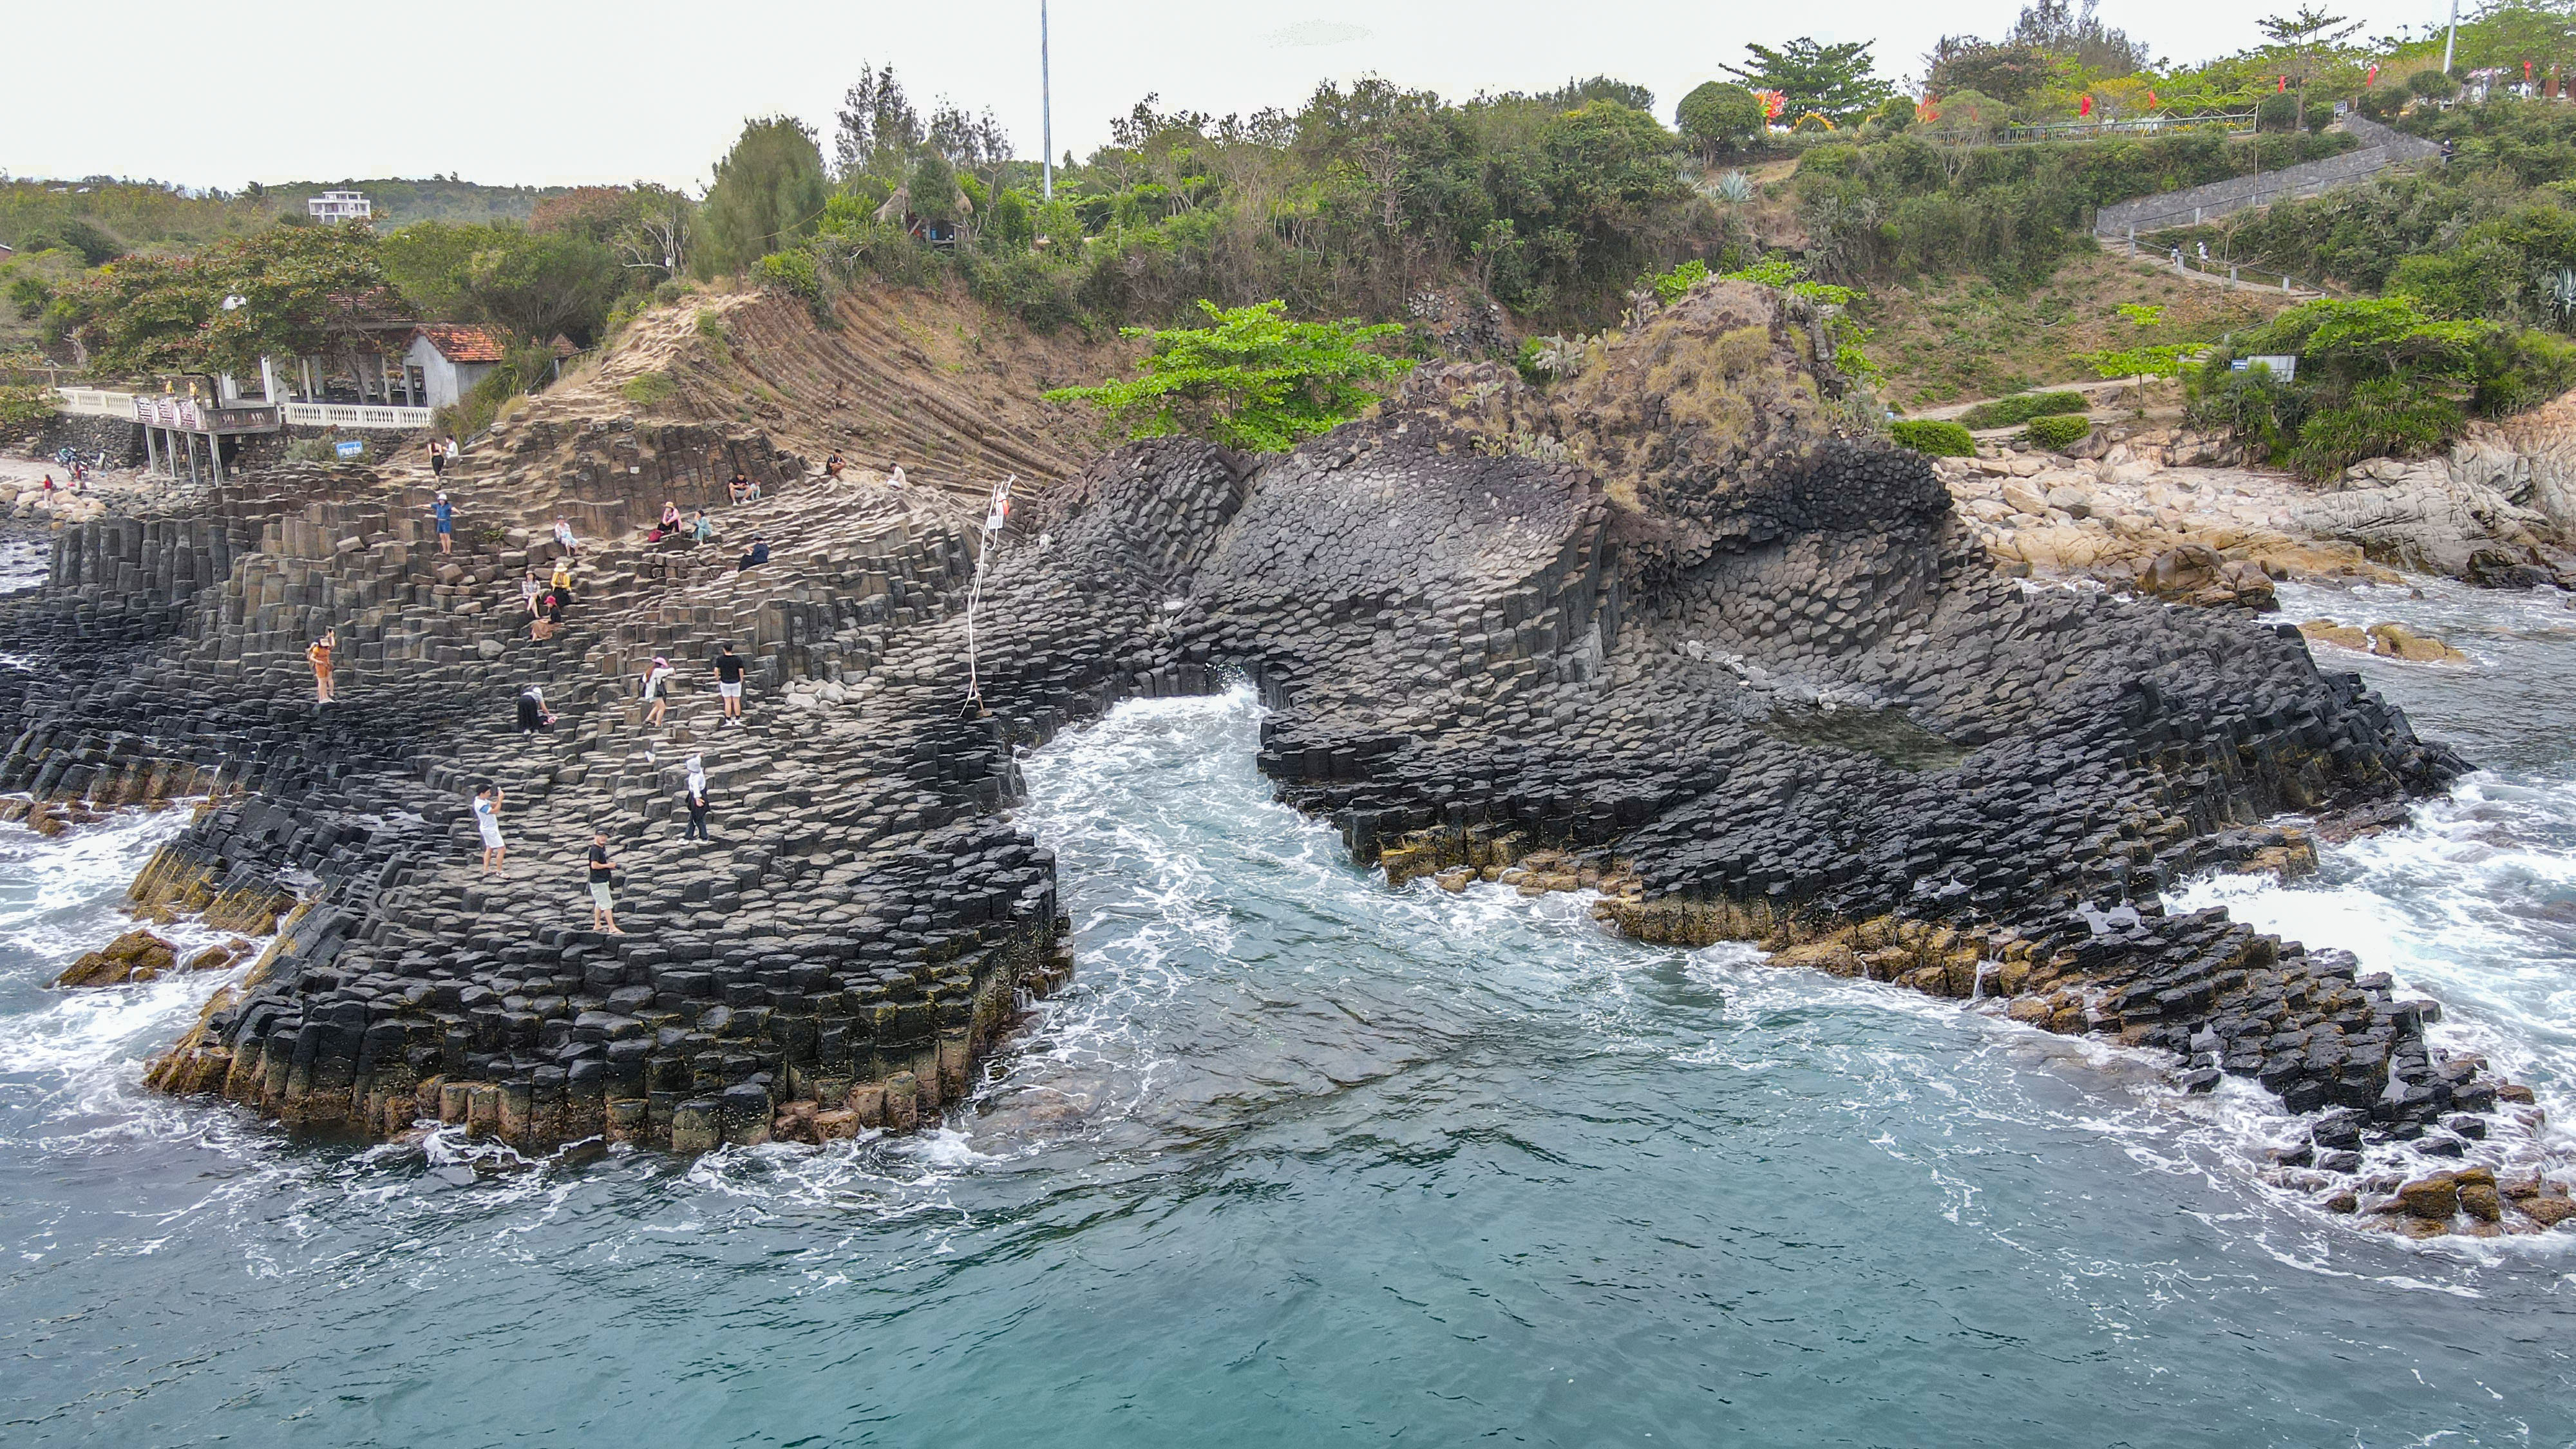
x,y
2433,1199
135,956
2396,641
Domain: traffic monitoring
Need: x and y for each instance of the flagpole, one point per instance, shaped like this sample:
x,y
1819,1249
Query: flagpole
x,y
1046,103
2452,39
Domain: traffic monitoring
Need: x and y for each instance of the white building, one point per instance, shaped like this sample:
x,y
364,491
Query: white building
x,y
333,207
445,360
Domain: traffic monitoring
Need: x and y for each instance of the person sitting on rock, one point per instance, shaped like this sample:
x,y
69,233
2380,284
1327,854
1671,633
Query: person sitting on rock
x,y
657,681
894,475
739,488
563,535
702,529
670,516
530,589
549,617
833,465
318,654
561,583
755,555
534,717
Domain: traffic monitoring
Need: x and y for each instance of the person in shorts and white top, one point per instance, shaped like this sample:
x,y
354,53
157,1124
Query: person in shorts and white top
x,y
657,688
603,912
487,819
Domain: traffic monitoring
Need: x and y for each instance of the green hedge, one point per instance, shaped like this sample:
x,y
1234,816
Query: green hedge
x,y
2005,412
2057,433
1935,438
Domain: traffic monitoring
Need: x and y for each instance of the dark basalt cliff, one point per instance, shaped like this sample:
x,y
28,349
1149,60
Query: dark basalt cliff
x,y
1656,629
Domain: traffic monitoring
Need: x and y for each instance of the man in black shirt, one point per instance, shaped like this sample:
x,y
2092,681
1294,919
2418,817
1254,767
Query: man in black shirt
x,y
729,684
603,916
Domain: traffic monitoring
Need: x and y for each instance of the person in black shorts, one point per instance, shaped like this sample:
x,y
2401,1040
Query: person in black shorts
x,y
729,672
696,800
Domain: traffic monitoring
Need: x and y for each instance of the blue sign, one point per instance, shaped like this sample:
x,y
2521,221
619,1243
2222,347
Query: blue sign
x,y
353,449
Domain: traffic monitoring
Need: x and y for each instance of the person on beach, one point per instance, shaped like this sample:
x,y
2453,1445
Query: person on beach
x,y
487,820
534,717
729,672
603,913
443,514
318,654
657,682
753,556
563,535
696,801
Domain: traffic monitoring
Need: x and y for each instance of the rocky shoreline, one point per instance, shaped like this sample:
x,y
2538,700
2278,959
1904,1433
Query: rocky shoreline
x,y
1657,630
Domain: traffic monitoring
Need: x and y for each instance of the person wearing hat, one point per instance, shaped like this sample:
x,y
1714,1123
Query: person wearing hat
x,y
657,680
757,554
318,654
443,514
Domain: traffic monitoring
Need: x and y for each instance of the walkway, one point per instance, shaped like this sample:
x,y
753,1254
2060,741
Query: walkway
x,y
2381,149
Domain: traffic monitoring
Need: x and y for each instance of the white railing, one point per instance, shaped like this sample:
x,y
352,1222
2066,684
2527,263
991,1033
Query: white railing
x,y
351,415
96,402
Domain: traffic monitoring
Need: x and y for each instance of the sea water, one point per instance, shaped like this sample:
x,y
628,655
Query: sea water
x,y
1302,1160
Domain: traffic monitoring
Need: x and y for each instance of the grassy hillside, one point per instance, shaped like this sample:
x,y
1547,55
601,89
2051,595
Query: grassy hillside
x,y
111,215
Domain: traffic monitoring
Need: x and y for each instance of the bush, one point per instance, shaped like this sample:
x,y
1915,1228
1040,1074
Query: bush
x,y
650,389
1933,438
1026,287
2004,412
2057,433
791,272
2382,103
2278,112
2434,85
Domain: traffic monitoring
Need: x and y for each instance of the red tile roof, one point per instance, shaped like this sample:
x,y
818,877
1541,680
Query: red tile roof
x,y
459,343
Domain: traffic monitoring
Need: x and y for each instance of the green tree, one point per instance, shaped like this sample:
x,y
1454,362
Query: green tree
x,y
2306,43
767,195
1834,81
1719,115
1253,380
285,292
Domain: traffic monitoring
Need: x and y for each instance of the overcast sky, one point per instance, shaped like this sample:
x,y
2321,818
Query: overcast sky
x,y
538,92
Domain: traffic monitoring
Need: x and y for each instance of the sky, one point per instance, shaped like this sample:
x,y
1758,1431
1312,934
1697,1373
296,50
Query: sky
x,y
536,92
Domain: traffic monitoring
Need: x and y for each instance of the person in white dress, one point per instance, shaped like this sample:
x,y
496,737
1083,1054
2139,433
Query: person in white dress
x,y
487,819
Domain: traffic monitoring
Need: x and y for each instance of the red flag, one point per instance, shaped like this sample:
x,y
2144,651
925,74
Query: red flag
x,y
2283,86
2372,79
2084,107
2152,102
2526,70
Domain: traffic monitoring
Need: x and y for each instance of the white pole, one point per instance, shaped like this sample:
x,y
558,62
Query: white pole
x,y
1046,104
2453,39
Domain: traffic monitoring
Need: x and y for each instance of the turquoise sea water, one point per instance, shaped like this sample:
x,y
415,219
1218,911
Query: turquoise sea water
x,y
1302,1160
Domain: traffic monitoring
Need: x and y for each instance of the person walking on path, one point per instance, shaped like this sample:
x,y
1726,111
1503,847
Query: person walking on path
x,y
437,460
657,685
487,820
729,672
603,911
563,535
442,514
696,800
318,654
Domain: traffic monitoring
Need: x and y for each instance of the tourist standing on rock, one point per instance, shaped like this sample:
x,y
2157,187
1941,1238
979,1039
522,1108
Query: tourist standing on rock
x,y
603,914
657,680
729,673
318,654
696,767
487,820
563,535
753,556
437,460
443,514
696,800
534,717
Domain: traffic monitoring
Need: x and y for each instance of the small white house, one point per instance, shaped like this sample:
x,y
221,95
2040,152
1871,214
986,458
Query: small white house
x,y
445,360
334,207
